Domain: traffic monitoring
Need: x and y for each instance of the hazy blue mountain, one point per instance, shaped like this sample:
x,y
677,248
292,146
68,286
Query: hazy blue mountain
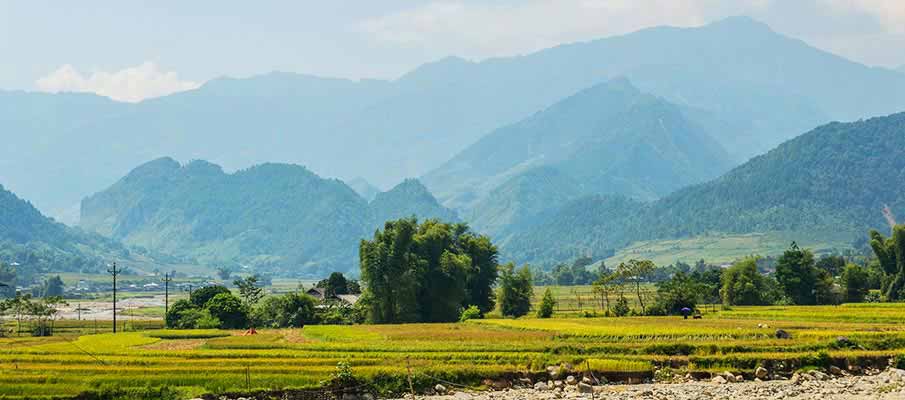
x,y
409,198
364,188
521,200
752,91
279,218
833,180
608,139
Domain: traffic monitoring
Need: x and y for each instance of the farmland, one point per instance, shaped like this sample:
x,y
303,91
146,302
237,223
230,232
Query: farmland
x,y
201,361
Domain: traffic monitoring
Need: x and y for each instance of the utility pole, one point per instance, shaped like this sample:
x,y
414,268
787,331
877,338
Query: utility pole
x,y
166,296
114,271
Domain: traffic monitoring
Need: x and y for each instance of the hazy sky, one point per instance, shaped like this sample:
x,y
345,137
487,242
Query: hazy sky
x,y
131,50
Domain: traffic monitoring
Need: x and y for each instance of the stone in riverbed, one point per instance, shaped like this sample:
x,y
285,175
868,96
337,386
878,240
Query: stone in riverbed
x,y
761,372
540,386
570,380
585,388
440,389
719,380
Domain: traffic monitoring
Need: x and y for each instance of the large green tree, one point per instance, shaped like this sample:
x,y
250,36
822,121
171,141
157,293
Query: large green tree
x,y
743,285
801,280
516,290
426,272
856,283
891,255
289,310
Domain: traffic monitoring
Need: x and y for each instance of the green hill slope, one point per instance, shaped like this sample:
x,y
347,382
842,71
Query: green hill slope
x,y
40,245
833,181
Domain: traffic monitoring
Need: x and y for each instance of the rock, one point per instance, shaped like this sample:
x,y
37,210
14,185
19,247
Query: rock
x,y
585,388
820,376
719,380
781,334
570,380
525,382
558,384
739,378
836,370
757,380
586,380
440,389
541,386
730,377
761,372
553,370
796,378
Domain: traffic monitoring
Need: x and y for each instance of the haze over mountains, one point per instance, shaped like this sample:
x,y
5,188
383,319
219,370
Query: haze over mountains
x,y
750,92
607,139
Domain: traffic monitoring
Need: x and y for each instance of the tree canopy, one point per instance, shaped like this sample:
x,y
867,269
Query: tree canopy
x,y
426,272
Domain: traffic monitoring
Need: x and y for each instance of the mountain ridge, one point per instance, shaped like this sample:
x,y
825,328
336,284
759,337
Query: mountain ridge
x,y
832,179
758,89
279,218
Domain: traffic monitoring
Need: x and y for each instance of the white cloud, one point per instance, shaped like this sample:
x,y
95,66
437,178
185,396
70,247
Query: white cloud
x,y
131,84
486,30
890,13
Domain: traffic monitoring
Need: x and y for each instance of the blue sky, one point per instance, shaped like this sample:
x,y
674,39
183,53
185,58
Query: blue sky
x,y
162,46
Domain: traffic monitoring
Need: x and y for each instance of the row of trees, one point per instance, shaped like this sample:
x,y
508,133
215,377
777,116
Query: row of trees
x,y
427,272
37,314
218,307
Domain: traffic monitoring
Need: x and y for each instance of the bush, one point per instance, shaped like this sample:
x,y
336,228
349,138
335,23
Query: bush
x,y
516,288
621,308
289,310
201,296
546,305
176,313
472,312
228,309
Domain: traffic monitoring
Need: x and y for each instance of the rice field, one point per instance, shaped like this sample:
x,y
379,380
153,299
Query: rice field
x,y
210,361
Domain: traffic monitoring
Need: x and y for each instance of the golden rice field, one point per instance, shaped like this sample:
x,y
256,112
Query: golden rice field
x,y
197,362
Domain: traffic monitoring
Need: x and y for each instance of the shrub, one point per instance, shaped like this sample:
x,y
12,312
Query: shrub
x,y
201,296
228,309
546,305
289,310
621,308
472,312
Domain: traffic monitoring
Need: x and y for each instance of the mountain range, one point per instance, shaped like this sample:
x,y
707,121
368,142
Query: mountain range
x,y
833,180
278,218
607,139
749,92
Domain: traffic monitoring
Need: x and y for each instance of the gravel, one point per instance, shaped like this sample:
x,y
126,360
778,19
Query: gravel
x,y
886,385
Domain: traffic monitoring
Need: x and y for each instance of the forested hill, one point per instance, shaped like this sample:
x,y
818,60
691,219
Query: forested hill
x,y
407,199
608,139
835,179
280,218
39,244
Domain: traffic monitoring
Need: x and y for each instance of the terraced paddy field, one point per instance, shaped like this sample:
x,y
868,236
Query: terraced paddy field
x,y
197,362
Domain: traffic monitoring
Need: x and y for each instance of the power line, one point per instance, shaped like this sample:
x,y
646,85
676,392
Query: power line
x,y
114,271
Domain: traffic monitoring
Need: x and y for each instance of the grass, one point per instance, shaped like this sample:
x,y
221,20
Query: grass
x,y
210,361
